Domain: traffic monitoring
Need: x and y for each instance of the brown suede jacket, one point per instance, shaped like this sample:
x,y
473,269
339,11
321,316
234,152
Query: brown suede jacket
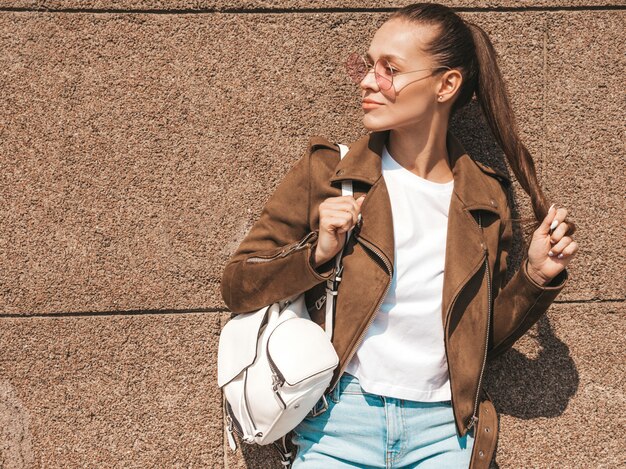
x,y
482,315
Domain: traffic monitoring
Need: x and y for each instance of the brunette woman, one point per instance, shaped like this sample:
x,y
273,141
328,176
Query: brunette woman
x,y
423,301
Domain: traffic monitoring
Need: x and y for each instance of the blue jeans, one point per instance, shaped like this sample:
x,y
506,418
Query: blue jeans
x,y
364,430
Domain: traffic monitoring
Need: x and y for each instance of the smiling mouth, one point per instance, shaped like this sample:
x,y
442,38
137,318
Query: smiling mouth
x,y
370,104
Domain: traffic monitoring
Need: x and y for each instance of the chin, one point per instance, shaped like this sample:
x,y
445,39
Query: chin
x,y
373,126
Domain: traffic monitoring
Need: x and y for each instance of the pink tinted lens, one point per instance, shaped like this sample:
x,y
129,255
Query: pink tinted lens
x,y
384,77
356,67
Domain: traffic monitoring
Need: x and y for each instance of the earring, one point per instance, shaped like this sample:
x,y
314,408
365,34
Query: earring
x,y
440,98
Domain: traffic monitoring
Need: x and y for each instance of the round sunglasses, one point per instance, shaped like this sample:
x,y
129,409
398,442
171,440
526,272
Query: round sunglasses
x,y
358,67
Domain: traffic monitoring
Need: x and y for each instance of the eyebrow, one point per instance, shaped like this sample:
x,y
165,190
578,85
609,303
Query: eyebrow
x,y
387,56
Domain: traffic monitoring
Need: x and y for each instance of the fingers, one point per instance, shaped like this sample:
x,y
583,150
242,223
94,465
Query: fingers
x,y
346,202
341,221
340,213
559,232
568,250
565,247
552,220
560,215
544,228
334,206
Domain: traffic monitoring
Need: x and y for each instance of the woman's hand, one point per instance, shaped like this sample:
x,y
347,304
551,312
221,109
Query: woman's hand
x,y
337,215
550,250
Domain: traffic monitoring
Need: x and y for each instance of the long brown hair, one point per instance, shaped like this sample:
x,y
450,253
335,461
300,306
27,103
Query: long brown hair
x,y
466,46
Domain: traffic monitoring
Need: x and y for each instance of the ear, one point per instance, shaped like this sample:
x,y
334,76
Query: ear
x,y
450,81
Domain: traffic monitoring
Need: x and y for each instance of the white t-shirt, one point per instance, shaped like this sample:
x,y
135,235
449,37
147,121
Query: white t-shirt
x,y
402,354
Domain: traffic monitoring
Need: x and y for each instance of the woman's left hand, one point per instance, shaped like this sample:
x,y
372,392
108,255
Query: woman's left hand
x,y
549,253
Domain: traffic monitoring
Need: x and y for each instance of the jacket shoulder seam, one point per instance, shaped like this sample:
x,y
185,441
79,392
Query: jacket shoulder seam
x,y
319,141
493,172
315,142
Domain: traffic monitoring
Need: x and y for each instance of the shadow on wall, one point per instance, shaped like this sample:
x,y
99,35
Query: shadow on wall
x,y
528,387
524,387
16,450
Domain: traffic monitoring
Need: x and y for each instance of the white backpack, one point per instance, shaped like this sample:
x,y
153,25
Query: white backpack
x,y
274,364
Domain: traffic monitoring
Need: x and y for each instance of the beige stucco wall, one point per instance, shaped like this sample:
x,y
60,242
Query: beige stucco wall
x,y
138,142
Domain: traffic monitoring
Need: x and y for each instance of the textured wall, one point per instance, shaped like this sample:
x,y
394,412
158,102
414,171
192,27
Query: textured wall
x,y
138,143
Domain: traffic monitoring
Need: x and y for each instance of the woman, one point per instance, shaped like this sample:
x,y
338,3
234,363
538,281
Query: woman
x,y
423,302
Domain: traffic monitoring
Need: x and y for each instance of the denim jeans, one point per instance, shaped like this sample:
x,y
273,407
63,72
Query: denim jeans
x,y
364,430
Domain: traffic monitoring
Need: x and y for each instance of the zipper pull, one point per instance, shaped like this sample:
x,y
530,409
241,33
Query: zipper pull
x,y
320,301
298,245
276,382
229,433
473,420
357,227
482,243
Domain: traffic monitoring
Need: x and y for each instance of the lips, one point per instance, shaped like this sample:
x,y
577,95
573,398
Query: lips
x,y
370,101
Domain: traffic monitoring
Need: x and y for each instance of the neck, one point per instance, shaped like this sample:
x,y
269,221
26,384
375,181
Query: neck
x,y
422,151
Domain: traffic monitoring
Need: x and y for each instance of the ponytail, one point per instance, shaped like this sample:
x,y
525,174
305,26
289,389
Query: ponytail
x,y
465,46
492,95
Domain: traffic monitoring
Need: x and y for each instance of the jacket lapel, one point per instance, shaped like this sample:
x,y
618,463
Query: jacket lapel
x,y
472,191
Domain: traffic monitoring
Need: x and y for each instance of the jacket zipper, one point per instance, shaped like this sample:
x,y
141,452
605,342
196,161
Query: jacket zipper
x,y
450,308
296,246
474,418
380,301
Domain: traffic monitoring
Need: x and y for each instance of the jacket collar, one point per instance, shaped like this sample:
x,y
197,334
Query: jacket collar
x,y
473,190
363,162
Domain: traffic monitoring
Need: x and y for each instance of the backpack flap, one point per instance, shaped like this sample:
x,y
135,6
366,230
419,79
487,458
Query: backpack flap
x,y
238,344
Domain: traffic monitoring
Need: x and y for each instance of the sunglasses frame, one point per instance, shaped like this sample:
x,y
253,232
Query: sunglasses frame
x,y
369,68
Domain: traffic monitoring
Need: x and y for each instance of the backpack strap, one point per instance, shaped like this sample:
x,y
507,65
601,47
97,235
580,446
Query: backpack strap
x,y
332,284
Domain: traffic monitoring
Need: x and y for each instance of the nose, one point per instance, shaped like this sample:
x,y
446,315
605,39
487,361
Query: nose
x,y
369,81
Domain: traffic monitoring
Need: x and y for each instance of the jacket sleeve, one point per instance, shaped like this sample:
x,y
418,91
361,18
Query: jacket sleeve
x,y
520,303
274,260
